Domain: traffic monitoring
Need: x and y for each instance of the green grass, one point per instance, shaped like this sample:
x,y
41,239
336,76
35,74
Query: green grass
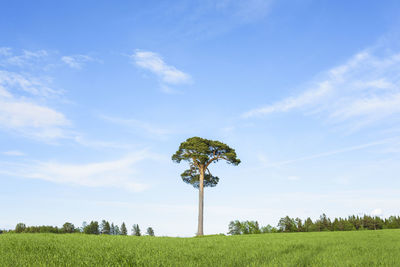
x,y
363,248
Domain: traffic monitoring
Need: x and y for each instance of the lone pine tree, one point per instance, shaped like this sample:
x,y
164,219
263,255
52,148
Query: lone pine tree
x,y
200,153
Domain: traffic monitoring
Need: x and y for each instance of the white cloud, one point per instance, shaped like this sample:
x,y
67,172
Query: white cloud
x,y
364,90
290,103
13,153
31,119
76,61
18,82
26,58
121,173
293,178
24,116
154,63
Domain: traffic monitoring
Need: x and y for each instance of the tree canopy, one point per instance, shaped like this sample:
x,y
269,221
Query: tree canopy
x,y
200,153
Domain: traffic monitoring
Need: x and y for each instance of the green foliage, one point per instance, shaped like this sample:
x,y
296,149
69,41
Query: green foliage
x,y
136,230
68,228
20,228
202,150
115,230
150,231
192,177
268,229
200,153
358,248
244,228
92,228
124,231
287,224
105,228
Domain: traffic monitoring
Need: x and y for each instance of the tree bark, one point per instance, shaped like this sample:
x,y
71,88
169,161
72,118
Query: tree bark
x,y
201,202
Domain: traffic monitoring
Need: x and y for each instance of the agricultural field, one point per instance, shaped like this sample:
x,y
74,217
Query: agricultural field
x,y
355,248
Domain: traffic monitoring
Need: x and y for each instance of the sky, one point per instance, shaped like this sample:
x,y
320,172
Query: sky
x,y
96,96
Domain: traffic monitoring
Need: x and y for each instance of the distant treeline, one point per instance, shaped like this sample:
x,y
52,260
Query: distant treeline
x,y
287,224
94,228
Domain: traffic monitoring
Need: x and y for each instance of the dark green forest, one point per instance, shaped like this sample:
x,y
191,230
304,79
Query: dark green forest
x,y
94,228
287,224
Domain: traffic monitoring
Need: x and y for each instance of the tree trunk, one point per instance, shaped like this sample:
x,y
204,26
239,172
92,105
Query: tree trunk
x,y
201,203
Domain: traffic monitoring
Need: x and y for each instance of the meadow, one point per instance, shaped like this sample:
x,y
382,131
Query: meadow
x,y
354,248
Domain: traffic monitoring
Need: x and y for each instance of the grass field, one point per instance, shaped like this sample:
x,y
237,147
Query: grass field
x,y
362,248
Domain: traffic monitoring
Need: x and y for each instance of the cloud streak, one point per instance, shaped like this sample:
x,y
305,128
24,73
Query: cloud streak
x,y
15,153
363,91
22,114
120,173
327,154
76,61
167,74
25,59
133,125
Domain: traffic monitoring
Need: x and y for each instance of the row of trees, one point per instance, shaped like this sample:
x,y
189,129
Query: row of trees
x,y
104,228
287,224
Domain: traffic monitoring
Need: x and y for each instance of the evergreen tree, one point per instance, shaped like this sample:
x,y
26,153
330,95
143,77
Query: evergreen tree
x,y
20,227
68,228
150,231
116,230
266,229
136,230
287,224
299,225
124,231
112,229
308,225
235,228
200,153
92,228
105,228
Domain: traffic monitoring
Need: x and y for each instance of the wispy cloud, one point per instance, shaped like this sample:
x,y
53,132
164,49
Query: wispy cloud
x,y
13,81
266,163
154,63
306,98
121,173
32,120
76,61
27,98
13,153
5,51
135,125
23,59
362,91
207,19
245,11
20,111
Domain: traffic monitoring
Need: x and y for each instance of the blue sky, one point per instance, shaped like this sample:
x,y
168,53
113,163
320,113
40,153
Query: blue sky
x,y
95,98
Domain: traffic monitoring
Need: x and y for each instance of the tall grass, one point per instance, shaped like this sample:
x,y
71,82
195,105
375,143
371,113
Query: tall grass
x,y
361,248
